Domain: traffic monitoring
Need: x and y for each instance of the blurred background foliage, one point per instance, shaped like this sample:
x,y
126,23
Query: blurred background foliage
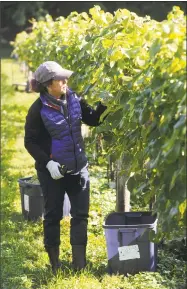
x,y
15,15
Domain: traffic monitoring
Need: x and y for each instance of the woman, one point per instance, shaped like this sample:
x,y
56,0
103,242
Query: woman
x,y
53,138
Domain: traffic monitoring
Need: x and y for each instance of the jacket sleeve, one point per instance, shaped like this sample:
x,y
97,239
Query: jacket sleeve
x,y
32,133
91,116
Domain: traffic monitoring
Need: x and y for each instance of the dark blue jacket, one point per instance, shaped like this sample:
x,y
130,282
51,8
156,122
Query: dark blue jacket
x,y
67,146
39,142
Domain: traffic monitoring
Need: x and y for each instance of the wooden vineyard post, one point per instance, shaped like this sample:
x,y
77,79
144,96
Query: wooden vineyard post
x,y
122,192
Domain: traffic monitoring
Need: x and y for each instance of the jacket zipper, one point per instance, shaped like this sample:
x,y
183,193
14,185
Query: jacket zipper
x,y
70,126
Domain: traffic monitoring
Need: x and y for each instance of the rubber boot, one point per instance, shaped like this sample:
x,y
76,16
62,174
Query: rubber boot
x,y
78,257
53,253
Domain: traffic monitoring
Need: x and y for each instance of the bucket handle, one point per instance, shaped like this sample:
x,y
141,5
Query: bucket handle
x,y
121,231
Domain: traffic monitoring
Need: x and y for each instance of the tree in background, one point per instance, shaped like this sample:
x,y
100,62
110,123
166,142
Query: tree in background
x,y
15,16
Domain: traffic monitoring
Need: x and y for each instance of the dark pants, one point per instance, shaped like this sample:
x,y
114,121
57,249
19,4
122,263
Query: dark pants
x,y
77,189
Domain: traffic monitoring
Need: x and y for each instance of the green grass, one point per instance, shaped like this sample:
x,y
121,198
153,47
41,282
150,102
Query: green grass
x,y
23,259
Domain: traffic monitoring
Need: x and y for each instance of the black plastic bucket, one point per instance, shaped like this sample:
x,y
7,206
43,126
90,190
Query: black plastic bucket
x,y
32,201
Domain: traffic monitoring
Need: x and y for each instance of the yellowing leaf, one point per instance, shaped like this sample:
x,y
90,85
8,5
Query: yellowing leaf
x,y
140,61
95,11
112,63
151,117
162,119
85,15
176,65
182,207
166,28
107,43
173,47
116,55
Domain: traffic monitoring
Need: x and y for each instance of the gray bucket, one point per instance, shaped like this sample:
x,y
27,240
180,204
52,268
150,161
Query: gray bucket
x,y
32,202
128,246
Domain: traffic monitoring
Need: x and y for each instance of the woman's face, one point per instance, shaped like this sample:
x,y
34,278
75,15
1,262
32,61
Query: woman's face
x,y
57,88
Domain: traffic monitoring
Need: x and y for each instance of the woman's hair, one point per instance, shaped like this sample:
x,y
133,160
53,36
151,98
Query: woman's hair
x,y
40,87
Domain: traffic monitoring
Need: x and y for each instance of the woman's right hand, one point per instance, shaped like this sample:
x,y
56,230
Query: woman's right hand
x,y
53,168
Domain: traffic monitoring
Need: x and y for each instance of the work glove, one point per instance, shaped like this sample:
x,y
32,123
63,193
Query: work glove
x,y
54,169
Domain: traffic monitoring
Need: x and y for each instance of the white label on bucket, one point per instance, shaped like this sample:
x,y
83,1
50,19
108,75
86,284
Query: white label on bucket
x,y
26,203
129,252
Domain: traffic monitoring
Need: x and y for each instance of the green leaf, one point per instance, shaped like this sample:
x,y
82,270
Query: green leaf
x,y
155,48
174,178
153,163
180,122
